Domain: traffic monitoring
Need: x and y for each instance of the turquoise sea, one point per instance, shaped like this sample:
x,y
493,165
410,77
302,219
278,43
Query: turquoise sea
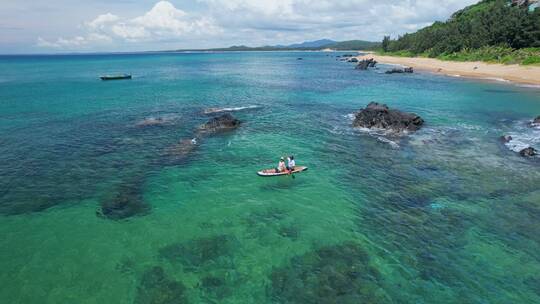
x,y
446,215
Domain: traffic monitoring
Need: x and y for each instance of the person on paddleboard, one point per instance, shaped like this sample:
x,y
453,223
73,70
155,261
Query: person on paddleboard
x,y
291,163
281,166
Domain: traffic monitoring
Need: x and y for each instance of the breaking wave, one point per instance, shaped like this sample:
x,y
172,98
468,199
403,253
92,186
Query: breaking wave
x,y
229,109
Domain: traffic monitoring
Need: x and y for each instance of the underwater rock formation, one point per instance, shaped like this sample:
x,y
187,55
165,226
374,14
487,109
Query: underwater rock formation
x,y
183,148
127,201
536,121
379,116
214,287
179,152
333,274
156,287
151,122
220,123
37,204
200,252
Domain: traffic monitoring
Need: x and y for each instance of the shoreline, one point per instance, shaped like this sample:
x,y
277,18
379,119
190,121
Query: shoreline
x,y
518,74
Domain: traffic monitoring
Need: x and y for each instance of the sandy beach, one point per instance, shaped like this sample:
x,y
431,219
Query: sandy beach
x,y
472,69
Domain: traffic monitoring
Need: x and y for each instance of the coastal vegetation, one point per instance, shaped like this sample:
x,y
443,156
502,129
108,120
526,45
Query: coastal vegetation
x,y
497,31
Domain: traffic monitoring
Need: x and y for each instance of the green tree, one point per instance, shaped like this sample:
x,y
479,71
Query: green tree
x,y
385,43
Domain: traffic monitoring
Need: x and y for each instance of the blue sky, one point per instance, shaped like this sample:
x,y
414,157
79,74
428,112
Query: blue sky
x,y
50,26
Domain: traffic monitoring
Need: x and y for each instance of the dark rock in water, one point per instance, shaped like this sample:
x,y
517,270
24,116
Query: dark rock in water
x,y
200,252
379,116
220,123
366,63
299,58
157,288
536,121
353,59
126,202
400,71
506,138
528,152
333,274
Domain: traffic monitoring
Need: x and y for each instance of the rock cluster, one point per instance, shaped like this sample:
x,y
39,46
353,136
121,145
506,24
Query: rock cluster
x,y
528,152
366,63
379,116
506,139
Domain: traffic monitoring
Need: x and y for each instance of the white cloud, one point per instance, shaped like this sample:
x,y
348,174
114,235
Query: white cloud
x,y
259,22
102,21
163,22
74,42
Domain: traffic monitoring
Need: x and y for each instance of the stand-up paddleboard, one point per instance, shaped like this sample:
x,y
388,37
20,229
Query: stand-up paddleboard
x,y
272,172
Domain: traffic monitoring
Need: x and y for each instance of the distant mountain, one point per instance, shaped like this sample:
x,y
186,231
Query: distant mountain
x,y
311,44
307,46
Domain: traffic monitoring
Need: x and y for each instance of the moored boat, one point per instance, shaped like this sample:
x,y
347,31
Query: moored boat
x,y
115,77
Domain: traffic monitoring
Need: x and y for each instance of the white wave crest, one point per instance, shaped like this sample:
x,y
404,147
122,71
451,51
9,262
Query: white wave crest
x,y
229,109
525,135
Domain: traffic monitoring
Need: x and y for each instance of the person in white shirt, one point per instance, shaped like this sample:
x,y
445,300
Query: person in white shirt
x,y
291,163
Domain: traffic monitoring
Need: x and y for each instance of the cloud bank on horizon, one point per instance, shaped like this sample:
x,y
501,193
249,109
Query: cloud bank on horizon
x,y
145,25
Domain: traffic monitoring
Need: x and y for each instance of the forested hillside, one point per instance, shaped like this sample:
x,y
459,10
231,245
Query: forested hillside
x,y
492,30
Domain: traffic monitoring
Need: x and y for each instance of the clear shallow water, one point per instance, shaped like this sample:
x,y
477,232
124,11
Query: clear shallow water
x,y
447,215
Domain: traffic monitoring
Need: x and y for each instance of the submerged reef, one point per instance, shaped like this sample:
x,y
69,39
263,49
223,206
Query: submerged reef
x,y
332,274
271,221
156,287
220,123
199,253
125,202
24,206
179,152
